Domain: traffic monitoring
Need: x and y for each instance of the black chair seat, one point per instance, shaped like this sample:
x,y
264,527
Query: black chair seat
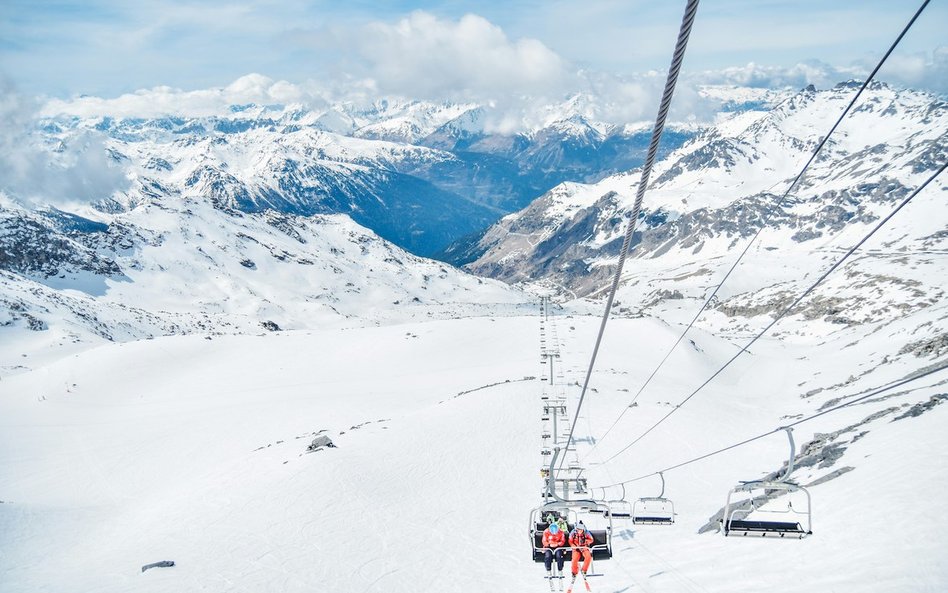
x,y
653,520
764,527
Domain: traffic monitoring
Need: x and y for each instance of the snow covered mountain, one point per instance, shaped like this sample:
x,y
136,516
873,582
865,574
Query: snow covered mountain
x,y
184,266
151,411
714,193
419,174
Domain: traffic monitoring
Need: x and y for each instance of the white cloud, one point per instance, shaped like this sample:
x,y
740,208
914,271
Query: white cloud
x,y
471,60
466,59
162,100
797,76
926,70
921,70
77,171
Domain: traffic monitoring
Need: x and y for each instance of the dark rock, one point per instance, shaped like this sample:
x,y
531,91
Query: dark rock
x,y
162,564
319,443
920,408
933,347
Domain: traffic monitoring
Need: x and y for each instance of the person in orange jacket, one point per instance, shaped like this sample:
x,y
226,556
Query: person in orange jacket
x,y
554,540
579,540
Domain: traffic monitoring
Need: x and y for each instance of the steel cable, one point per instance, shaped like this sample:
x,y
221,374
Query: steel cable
x,y
764,221
684,32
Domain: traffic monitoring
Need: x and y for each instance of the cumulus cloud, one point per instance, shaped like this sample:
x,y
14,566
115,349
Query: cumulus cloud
x,y
74,171
522,83
754,75
163,100
928,70
921,70
419,56
468,58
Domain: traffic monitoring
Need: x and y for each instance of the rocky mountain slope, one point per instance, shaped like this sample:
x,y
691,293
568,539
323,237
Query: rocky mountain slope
x,y
184,266
419,174
710,196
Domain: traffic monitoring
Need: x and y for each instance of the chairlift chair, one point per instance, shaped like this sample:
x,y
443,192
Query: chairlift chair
x,y
654,510
761,522
620,507
557,408
572,510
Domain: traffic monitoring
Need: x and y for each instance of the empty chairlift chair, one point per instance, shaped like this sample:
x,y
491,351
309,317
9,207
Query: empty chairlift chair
x,y
620,507
654,510
761,516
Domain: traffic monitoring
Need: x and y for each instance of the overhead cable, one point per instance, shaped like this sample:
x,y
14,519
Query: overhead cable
x,y
764,220
873,393
684,32
787,309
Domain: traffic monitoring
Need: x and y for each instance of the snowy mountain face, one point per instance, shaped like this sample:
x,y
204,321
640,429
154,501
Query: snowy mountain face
x,y
419,174
712,194
184,266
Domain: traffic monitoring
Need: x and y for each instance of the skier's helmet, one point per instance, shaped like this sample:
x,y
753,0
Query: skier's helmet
x,y
554,528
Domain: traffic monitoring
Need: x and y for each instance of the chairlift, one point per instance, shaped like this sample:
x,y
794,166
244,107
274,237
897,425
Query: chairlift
x,y
556,408
761,519
620,507
654,510
573,511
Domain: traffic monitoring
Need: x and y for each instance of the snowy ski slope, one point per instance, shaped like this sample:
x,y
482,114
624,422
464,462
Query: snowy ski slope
x,y
193,450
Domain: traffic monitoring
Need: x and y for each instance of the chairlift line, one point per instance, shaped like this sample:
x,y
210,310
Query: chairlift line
x,y
671,80
765,219
601,545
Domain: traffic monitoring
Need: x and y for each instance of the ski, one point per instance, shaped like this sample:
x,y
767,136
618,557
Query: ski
x,y
554,576
571,583
585,582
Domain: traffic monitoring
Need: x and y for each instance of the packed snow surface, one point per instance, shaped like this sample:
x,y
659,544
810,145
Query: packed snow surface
x,y
194,450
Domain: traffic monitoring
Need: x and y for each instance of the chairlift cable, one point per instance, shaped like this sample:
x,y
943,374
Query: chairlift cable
x,y
684,32
873,393
764,221
786,310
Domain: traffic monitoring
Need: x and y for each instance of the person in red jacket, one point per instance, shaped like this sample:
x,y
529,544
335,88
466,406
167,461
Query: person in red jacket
x,y
580,540
554,540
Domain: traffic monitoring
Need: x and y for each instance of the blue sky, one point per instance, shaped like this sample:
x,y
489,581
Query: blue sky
x,y
64,48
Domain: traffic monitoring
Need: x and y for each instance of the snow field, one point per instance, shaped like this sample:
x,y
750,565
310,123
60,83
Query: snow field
x,y
192,450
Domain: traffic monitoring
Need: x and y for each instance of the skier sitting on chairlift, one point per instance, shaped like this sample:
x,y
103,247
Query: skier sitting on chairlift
x,y
554,539
579,541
